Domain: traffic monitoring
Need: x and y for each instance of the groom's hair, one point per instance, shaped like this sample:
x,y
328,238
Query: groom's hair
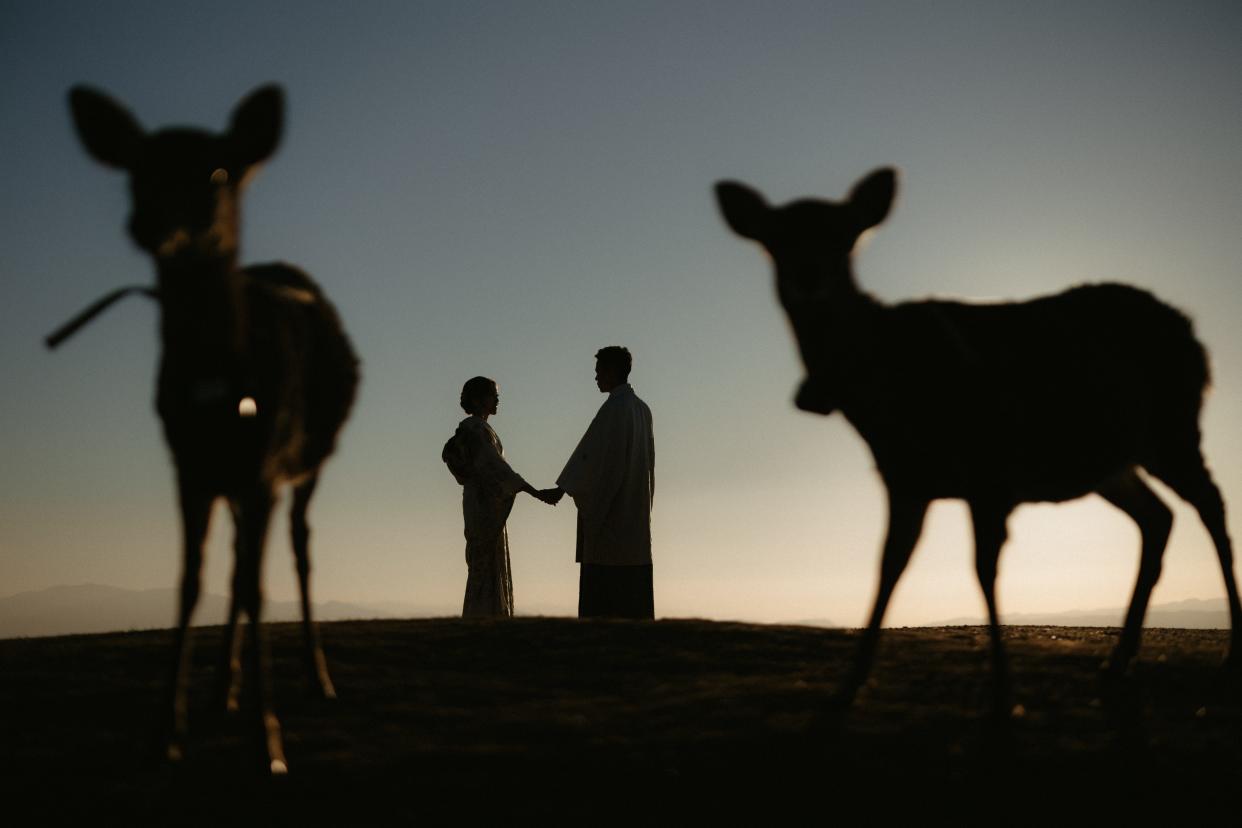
x,y
474,390
616,359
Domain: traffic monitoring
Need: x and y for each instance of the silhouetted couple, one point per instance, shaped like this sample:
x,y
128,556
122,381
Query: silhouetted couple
x,y
610,476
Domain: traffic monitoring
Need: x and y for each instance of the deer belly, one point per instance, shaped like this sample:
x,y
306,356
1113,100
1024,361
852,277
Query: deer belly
x,y
971,457
1061,464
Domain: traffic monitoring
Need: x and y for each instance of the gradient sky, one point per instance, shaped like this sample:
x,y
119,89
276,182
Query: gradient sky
x,y
503,188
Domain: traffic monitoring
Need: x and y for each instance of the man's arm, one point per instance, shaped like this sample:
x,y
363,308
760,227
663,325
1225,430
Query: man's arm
x,y
582,472
651,456
594,474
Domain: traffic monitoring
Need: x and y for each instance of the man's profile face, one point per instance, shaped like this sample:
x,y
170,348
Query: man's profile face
x,y
605,378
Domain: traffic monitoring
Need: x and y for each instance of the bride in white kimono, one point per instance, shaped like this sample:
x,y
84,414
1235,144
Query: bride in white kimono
x,y
489,488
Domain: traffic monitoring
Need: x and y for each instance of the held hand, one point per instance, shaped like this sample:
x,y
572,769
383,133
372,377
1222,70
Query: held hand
x,y
550,496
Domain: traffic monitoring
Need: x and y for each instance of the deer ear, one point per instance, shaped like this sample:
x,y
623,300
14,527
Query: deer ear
x,y
744,209
107,130
872,197
254,131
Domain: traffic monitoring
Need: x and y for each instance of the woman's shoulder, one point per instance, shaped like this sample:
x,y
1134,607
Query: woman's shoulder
x,y
476,429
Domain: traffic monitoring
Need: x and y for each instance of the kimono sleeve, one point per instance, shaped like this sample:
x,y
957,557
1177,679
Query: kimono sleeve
x,y
596,470
490,467
650,457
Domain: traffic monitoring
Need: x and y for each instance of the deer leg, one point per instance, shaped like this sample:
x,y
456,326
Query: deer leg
x,y
316,663
195,516
990,535
1131,495
1193,482
905,524
255,514
229,676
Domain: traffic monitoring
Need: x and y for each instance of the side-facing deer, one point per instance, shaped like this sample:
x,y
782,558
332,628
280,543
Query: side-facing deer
x,y
998,405
256,374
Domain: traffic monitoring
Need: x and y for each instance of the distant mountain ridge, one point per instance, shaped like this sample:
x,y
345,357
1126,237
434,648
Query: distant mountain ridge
x,y
1190,614
94,608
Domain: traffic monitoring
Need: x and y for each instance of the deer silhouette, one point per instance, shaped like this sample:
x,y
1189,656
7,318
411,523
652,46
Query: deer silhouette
x,y
256,373
1001,404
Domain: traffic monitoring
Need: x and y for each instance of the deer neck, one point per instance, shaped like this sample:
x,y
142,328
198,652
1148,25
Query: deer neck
x,y
836,334
204,313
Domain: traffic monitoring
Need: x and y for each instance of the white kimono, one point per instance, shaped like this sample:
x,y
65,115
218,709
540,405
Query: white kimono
x,y
611,477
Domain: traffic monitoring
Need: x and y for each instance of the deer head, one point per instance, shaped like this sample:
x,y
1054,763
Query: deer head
x,y
811,243
185,183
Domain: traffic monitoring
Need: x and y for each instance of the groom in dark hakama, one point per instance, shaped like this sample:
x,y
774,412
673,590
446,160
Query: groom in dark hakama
x,y
611,477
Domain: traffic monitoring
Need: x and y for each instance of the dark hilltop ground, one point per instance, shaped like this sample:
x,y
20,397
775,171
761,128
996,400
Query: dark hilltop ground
x,y
450,720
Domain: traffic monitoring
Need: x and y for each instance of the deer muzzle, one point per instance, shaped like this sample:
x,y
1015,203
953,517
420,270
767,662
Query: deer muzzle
x,y
174,244
814,396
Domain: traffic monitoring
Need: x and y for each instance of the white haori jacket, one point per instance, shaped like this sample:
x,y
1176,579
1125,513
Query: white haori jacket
x,y
611,477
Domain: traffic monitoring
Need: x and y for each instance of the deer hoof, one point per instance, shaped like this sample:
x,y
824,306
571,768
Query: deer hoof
x,y
843,697
1116,667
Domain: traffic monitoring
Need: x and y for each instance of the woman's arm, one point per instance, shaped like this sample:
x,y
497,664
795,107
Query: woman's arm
x,y
490,465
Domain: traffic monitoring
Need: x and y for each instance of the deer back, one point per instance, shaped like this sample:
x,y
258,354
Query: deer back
x,y
1037,400
272,409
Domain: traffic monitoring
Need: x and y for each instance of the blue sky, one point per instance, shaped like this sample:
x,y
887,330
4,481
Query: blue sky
x,y
502,188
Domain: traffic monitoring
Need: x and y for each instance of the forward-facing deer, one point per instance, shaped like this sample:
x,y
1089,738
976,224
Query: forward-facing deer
x,y
998,405
256,374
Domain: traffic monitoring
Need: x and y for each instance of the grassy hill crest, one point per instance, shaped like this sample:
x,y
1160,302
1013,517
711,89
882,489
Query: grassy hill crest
x,y
548,717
